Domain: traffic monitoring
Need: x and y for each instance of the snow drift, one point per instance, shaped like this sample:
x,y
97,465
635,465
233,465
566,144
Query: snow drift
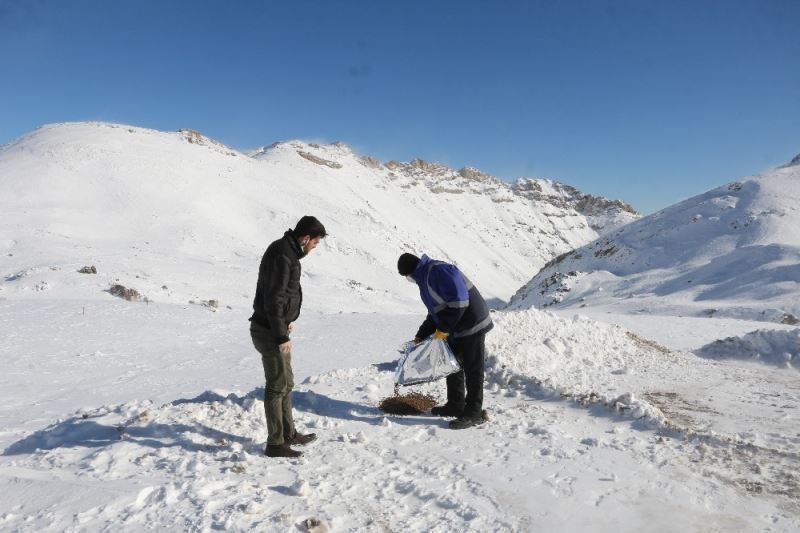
x,y
780,348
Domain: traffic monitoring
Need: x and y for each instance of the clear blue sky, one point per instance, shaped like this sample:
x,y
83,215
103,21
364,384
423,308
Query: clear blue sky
x,y
647,101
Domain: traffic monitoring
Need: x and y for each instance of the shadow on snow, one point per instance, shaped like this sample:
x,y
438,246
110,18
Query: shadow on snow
x,y
80,431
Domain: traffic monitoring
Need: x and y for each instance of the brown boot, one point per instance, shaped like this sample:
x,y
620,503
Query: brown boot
x,y
301,440
281,450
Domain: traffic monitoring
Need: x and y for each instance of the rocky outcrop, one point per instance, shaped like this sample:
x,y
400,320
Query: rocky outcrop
x,y
195,137
601,214
433,168
318,160
566,196
472,173
369,161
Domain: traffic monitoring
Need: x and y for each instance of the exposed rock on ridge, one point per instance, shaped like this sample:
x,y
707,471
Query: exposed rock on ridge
x,y
567,196
603,215
195,137
794,162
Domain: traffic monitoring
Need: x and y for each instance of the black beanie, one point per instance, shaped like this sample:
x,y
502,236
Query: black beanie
x,y
407,264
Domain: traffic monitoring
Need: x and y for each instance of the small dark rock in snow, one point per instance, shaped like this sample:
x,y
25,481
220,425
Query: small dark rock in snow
x,y
314,525
120,291
211,304
88,270
790,319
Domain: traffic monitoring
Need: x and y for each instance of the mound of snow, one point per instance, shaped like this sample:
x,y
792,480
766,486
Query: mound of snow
x,y
580,358
781,348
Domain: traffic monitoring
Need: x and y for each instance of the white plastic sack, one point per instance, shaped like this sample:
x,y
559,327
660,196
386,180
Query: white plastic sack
x,y
430,360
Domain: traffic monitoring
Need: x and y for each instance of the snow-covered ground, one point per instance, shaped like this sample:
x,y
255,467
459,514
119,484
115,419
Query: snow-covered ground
x,y
126,416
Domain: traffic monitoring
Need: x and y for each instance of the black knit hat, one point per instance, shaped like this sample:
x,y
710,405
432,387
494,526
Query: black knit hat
x,y
407,264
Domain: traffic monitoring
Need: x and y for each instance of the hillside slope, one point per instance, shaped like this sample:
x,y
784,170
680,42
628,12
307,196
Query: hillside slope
x,y
109,195
733,251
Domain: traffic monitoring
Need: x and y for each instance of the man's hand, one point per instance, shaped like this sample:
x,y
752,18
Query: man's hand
x,y
440,335
285,348
290,327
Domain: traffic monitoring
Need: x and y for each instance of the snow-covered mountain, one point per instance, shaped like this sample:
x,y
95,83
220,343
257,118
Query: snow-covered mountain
x,y
128,416
604,215
733,251
109,195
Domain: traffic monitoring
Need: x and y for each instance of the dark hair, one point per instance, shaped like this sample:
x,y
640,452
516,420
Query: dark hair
x,y
407,264
310,226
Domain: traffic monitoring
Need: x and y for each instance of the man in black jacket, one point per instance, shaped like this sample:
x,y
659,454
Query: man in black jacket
x,y
276,305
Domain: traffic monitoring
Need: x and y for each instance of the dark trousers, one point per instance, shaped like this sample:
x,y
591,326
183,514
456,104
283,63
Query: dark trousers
x,y
279,383
471,353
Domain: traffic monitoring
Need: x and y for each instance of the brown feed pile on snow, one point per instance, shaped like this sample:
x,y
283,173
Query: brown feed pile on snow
x,y
412,403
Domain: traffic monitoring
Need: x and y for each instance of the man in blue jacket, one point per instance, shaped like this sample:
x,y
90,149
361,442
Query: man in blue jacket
x,y
457,313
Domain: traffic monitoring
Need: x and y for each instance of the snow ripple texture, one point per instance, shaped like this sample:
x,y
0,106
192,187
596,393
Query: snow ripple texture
x,y
568,441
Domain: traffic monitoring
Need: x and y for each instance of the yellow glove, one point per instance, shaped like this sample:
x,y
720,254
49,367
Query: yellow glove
x,y
440,335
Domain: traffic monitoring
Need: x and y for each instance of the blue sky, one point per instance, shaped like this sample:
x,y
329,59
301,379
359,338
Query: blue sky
x,y
647,101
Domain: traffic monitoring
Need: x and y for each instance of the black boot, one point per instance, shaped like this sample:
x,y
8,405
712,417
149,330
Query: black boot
x,y
281,450
301,440
467,421
447,410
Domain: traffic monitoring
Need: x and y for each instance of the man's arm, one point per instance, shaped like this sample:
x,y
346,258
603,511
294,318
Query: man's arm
x,y
427,328
276,298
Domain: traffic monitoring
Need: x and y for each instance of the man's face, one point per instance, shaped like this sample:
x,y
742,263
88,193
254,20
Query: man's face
x,y
310,243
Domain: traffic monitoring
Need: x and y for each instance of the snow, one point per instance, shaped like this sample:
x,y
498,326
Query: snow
x,y
568,445
732,252
82,193
780,348
137,415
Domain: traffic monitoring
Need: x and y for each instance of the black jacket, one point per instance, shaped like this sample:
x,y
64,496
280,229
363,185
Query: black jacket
x,y
278,292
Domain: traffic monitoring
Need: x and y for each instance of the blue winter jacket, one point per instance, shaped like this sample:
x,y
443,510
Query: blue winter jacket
x,y
454,304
